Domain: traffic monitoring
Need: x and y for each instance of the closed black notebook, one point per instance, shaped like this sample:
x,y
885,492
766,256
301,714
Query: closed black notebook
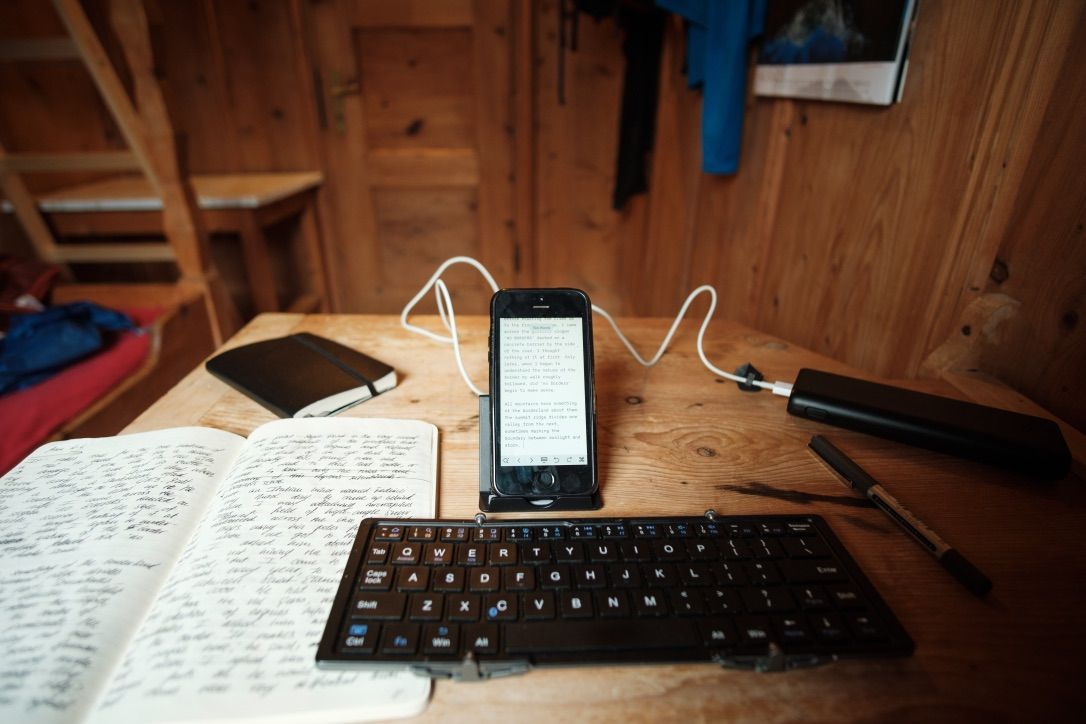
x,y
302,375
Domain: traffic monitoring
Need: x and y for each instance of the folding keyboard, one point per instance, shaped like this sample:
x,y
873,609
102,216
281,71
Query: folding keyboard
x,y
476,599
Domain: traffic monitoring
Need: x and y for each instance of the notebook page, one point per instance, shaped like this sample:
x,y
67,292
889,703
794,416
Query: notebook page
x,y
88,532
235,630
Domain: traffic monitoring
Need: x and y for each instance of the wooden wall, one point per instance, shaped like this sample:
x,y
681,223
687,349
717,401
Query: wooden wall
x,y
942,232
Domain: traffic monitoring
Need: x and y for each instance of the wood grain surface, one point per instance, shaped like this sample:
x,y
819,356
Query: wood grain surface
x,y
675,440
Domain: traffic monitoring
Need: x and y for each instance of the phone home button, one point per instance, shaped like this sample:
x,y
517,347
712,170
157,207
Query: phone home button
x,y
546,480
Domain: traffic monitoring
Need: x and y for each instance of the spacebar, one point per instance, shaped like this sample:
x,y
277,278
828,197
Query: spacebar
x,y
631,635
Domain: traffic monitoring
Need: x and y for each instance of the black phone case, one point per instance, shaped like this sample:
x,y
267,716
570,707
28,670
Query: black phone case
x,y
1024,443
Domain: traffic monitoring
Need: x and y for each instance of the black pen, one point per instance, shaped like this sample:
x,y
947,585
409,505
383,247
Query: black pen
x,y
966,573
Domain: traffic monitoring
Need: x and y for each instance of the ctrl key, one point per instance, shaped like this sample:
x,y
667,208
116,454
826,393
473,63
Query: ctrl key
x,y
360,638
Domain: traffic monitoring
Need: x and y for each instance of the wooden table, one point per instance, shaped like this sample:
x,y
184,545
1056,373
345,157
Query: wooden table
x,y
676,440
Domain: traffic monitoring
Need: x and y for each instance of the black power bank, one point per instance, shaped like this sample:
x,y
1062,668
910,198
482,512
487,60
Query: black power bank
x,y
1024,443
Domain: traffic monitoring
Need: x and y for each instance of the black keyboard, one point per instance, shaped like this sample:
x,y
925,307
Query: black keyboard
x,y
474,599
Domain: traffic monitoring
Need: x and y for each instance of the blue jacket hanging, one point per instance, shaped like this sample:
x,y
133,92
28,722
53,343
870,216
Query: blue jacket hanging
x,y
717,36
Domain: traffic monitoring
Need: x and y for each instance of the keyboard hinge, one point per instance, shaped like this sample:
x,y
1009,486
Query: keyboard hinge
x,y
469,669
773,660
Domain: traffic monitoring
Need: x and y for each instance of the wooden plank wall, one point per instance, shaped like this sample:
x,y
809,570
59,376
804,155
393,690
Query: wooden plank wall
x,y
943,232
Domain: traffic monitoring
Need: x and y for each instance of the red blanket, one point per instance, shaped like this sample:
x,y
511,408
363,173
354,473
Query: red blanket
x,y
28,417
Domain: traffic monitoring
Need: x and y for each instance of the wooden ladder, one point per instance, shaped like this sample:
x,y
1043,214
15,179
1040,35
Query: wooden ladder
x,y
152,149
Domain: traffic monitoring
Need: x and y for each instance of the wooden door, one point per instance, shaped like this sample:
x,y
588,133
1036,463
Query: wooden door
x,y
415,108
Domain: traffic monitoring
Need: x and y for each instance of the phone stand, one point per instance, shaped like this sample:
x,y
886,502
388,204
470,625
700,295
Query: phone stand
x,y
493,501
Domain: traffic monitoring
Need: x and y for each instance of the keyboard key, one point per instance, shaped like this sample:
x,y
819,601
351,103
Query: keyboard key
x,y
762,573
722,600
624,575
388,532
438,554
518,534
377,554
846,597
774,528
471,554
675,530
717,632
610,635
463,608
805,547
660,574
483,579
766,548
535,553
729,574
490,534
539,605
650,602
589,576
865,627
415,578
449,580
707,530
441,638
406,553
480,638
696,574
426,607
701,550
360,638
378,605
800,527
828,627
688,602
754,629
572,552
646,530
668,550
422,533
635,551
400,638
612,604
792,630
603,552
576,604
376,578
554,576
614,530
812,598
767,600
500,607
519,578
734,549
815,571
739,530
550,532
583,532
502,554
455,534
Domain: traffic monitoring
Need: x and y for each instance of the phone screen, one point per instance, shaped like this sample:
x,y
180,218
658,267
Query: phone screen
x,y
543,415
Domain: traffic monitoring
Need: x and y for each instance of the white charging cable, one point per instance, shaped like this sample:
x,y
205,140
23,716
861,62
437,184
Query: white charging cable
x,y
448,319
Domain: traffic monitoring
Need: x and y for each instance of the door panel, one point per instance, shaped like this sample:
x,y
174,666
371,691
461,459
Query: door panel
x,y
417,133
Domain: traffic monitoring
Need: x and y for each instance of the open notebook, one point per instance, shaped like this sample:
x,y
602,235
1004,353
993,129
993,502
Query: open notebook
x,y
186,574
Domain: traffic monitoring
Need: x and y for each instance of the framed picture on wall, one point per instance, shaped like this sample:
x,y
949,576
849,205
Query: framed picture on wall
x,y
837,50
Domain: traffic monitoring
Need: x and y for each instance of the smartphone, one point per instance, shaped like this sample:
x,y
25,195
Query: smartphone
x,y
542,395
1025,443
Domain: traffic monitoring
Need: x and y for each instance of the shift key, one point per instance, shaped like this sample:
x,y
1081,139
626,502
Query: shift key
x,y
378,605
